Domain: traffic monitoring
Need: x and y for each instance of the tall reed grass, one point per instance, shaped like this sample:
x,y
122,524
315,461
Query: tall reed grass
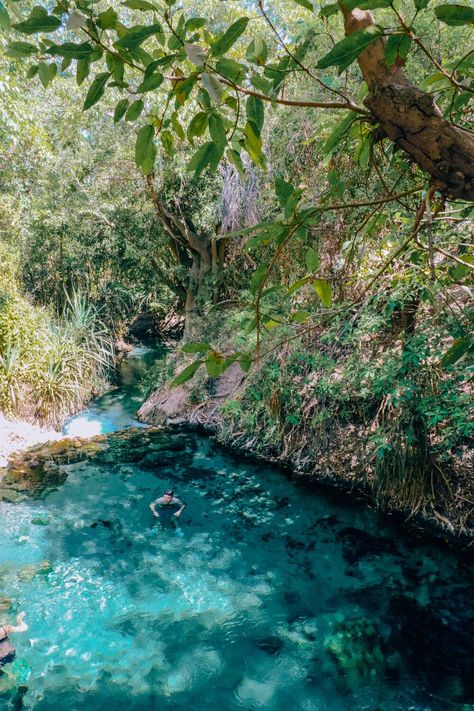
x,y
50,366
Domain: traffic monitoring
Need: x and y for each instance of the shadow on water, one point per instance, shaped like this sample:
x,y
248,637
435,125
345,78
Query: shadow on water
x,y
266,596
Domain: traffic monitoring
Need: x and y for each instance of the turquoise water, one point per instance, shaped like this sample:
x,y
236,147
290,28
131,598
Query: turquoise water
x,y
116,409
269,595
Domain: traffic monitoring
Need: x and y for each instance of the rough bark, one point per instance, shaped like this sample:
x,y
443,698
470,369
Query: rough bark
x,y
195,252
412,120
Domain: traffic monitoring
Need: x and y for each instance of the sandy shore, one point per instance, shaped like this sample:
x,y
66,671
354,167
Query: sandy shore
x,y
16,435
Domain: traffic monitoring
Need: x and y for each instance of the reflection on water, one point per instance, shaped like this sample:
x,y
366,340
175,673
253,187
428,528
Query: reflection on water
x,y
116,409
268,596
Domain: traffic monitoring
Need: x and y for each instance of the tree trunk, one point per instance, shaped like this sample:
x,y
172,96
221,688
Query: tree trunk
x,y
194,252
412,120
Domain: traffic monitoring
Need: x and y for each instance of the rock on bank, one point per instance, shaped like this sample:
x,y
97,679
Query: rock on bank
x,y
16,435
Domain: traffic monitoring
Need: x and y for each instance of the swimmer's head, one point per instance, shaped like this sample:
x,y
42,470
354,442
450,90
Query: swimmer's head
x,y
168,495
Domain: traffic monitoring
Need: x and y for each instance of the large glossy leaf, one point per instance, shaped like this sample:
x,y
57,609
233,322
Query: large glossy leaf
x,y
459,347
120,110
306,4
139,5
4,17
397,47
230,37
257,278
455,14
134,110
217,131
96,90
71,49
347,50
186,374
255,113
145,149
366,4
338,133
137,35
196,348
150,83
197,125
38,21
324,291
207,155
21,49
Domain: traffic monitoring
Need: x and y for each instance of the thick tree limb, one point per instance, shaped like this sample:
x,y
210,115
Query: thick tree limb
x,y
412,120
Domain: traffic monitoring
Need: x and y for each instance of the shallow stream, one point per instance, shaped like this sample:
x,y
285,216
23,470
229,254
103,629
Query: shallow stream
x,y
269,595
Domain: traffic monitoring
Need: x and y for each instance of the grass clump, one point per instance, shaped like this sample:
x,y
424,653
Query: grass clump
x,y
49,366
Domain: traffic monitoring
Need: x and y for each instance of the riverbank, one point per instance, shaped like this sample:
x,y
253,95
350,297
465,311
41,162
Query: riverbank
x,y
340,454
18,435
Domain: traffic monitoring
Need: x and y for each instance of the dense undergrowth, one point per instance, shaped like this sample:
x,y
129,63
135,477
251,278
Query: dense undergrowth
x,y
50,366
370,397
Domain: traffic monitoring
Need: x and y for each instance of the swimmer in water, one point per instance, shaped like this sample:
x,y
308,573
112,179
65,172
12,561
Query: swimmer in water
x,y
7,650
168,502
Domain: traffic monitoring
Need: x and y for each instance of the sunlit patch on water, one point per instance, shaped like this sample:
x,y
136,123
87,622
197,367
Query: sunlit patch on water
x,y
267,596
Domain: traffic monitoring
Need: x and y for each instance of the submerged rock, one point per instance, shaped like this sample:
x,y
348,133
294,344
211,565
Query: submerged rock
x,y
357,649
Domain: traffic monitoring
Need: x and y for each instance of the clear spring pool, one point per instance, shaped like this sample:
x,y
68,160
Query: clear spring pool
x,y
270,594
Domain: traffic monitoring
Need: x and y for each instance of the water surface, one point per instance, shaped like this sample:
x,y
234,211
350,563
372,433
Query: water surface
x,y
269,595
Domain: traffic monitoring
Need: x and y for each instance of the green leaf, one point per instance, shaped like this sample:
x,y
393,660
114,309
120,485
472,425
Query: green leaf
x,y
257,278
215,364
197,125
397,46
297,285
96,90
329,10
253,143
306,4
137,35
139,5
455,15
207,155
108,19
134,110
4,17
257,52
217,131
366,4
347,50
196,348
255,113
230,36
38,21
234,158
338,132
283,190
300,316
178,129
421,4
231,69
324,291
145,149
459,347
195,23
312,260
20,49
212,85
43,72
245,362
150,83
71,49
120,109
186,374
32,71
